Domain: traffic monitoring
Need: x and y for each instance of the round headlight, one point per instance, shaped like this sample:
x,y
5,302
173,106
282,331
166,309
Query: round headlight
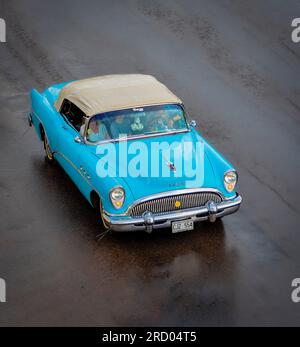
x,y
230,180
117,196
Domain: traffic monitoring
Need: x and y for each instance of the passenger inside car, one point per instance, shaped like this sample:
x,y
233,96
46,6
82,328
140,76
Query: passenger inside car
x,y
176,122
120,127
158,122
137,126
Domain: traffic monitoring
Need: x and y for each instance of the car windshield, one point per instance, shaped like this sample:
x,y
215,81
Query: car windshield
x,y
135,122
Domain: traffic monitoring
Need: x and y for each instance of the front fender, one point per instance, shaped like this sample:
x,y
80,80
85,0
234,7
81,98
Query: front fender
x,y
103,185
220,165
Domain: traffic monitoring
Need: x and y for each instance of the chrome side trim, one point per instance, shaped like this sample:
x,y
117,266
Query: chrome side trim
x,y
81,172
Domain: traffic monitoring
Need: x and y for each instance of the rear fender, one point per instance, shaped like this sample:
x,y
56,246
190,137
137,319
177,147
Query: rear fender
x,y
44,117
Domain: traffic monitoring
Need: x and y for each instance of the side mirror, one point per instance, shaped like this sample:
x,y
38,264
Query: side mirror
x,y
79,139
193,123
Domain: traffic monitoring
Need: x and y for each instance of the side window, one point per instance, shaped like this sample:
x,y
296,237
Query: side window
x,y
72,113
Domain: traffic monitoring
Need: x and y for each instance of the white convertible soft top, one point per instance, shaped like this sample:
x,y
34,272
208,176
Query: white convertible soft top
x,y
116,92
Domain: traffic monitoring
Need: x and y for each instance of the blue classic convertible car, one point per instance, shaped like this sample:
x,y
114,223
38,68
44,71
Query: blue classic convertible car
x,y
125,142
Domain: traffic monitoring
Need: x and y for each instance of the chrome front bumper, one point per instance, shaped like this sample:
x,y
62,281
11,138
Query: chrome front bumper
x,y
150,221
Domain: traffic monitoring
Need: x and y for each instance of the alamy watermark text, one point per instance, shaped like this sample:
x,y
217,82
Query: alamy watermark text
x,y
2,290
2,30
296,292
296,32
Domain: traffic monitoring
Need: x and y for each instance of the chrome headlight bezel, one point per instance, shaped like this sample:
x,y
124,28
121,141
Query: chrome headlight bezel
x,y
117,197
230,180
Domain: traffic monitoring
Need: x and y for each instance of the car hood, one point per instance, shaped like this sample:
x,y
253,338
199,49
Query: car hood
x,y
194,153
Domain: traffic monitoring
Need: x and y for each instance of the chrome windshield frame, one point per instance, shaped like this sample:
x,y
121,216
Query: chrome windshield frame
x,y
141,136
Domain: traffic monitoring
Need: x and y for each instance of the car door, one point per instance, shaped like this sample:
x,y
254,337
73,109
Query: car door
x,y
71,148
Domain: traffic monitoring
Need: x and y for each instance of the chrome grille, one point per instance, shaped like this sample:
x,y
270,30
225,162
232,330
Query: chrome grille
x,y
167,203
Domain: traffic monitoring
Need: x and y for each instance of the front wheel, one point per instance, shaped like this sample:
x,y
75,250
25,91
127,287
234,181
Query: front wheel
x,y
97,204
49,155
106,226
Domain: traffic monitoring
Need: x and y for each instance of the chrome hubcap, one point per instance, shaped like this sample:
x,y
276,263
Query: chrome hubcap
x,y
101,214
47,148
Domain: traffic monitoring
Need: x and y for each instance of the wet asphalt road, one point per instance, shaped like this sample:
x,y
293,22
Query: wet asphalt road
x,y
235,67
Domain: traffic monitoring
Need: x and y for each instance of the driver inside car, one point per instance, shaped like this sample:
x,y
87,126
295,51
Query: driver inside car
x,y
97,131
